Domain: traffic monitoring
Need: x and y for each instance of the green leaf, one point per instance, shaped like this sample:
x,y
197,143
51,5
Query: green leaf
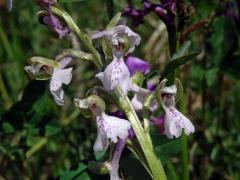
x,y
222,42
76,173
138,78
178,62
134,169
52,130
183,50
211,75
165,147
8,128
32,140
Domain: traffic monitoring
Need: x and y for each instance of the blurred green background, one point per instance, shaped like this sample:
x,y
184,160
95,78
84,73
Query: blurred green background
x,y
40,140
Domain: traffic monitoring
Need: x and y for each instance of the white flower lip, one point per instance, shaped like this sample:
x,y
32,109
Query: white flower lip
x,y
60,76
116,73
112,128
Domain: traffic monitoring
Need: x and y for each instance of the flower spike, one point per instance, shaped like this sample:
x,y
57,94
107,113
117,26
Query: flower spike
x,y
43,69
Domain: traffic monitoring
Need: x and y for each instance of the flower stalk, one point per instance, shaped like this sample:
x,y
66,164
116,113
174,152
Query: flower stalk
x,y
80,34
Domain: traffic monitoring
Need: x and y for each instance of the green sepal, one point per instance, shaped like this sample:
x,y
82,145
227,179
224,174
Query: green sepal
x,y
138,78
94,99
98,167
114,21
106,49
42,77
84,104
179,89
45,61
75,54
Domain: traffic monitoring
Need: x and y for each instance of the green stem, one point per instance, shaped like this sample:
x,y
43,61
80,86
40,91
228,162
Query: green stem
x,y
184,147
125,105
36,147
5,96
75,54
185,170
80,34
5,43
172,171
146,115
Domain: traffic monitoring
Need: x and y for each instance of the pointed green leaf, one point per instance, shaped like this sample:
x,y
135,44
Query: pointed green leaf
x,y
176,63
183,50
72,174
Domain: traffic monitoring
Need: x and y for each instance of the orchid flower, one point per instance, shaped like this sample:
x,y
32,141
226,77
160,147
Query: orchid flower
x,y
121,39
43,69
109,128
174,121
60,76
117,73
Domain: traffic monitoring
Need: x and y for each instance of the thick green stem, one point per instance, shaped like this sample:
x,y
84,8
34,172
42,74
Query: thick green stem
x,y
80,34
184,146
154,164
185,170
36,147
